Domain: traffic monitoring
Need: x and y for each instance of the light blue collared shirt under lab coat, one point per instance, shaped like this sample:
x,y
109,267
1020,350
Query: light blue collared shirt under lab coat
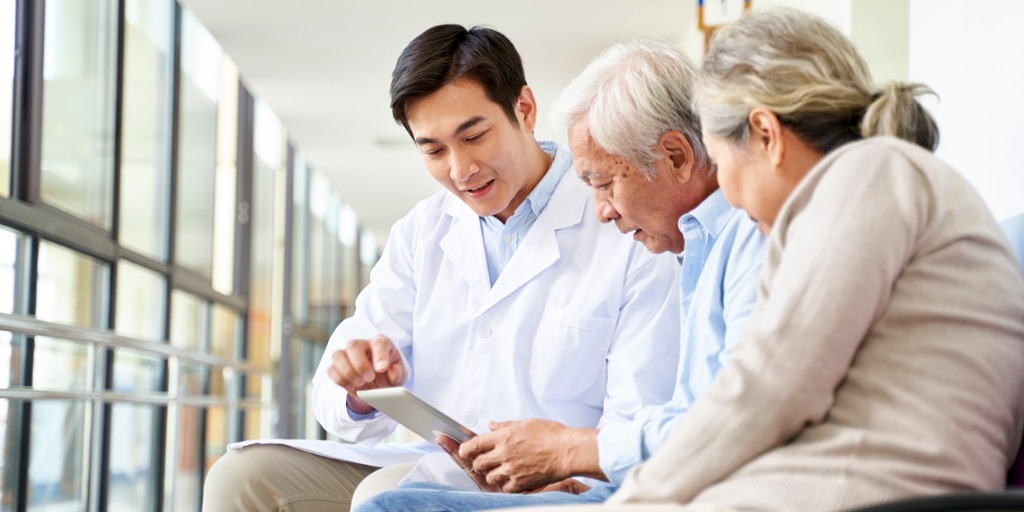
x,y
502,240
721,264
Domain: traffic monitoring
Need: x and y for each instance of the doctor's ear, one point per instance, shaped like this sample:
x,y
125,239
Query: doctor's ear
x,y
526,108
766,135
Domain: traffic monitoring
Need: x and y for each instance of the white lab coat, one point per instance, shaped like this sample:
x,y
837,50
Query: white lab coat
x,y
581,327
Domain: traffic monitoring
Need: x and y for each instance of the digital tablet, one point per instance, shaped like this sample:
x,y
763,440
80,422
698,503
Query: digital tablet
x,y
410,410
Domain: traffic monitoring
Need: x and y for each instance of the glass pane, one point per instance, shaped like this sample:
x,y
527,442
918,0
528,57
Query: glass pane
x,y
348,260
183,468
207,131
226,326
225,213
188,320
7,23
12,246
368,255
12,353
79,56
60,365
300,242
145,126
217,383
191,379
57,463
9,418
135,372
305,358
216,434
199,93
131,451
268,144
318,240
140,302
71,287
257,423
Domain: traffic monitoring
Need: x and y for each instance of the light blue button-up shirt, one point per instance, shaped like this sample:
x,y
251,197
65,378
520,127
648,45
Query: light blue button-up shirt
x,y
502,240
721,264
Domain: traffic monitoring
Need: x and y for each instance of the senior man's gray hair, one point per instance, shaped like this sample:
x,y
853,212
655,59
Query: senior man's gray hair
x,y
629,96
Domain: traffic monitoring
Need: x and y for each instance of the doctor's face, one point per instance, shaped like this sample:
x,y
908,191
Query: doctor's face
x,y
646,207
471,147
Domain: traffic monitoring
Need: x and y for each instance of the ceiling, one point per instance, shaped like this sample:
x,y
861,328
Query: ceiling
x,y
324,67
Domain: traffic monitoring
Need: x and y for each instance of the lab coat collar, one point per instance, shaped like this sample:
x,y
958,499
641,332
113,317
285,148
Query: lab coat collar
x,y
463,245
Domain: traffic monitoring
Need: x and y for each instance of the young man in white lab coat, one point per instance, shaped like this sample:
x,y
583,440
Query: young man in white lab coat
x,y
500,298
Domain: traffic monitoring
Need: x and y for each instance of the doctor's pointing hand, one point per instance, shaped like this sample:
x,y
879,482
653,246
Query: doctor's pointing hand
x,y
367,364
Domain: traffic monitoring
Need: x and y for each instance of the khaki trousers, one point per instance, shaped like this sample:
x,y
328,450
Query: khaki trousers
x,y
275,478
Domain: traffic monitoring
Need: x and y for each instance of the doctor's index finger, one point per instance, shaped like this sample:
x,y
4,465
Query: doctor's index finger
x,y
384,353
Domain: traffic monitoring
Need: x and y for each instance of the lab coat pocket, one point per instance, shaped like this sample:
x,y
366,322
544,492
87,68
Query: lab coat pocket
x,y
569,353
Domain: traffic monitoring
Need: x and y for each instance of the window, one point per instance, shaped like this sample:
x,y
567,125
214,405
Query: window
x,y
268,146
79,56
188,321
140,302
71,287
208,111
7,24
145,126
131,469
57,448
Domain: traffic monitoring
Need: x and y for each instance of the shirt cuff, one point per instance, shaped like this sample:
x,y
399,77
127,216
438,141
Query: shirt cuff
x,y
619,448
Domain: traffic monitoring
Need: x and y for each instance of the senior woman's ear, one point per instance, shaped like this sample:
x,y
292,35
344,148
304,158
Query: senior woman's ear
x,y
766,137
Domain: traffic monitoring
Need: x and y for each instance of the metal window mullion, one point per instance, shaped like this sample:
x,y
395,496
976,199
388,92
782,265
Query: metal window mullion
x,y
284,366
243,230
27,113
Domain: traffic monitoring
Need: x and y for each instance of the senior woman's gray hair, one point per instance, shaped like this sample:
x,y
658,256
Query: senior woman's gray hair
x,y
811,76
629,96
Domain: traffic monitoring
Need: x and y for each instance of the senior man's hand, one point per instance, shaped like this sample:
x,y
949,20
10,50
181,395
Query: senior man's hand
x,y
451,447
519,456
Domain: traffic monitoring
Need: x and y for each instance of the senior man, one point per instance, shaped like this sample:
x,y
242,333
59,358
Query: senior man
x,y
636,142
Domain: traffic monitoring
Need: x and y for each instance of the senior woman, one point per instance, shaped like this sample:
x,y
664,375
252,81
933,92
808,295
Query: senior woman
x,y
885,356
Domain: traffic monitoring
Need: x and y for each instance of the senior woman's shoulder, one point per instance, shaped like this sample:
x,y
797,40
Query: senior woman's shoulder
x,y
883,160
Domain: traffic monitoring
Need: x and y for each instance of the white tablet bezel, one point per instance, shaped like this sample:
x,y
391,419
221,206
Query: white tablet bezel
x,y
403,406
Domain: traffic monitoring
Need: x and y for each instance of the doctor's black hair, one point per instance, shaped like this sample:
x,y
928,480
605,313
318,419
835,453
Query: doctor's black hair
x,y
444,53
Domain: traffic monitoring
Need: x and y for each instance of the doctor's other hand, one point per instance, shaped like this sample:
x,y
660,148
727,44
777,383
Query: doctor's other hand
x,y
367,364
451,447
521,456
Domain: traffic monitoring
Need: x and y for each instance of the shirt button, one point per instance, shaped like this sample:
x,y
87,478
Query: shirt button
x,y
469,419
508,239
484,332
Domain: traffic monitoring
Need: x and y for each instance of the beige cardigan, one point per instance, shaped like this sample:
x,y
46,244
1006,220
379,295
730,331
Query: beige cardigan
x,y
884,359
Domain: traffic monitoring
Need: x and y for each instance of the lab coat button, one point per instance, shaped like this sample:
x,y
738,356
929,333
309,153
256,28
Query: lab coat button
x,y
469,419
484,332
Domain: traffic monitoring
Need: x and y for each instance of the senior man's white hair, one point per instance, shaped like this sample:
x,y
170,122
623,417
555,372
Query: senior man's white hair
x,y
629,96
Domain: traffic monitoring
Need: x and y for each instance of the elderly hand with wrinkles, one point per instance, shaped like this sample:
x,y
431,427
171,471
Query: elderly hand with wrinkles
x,y
528,456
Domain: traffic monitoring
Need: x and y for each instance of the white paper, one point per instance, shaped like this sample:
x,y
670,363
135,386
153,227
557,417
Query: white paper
x,y
384,454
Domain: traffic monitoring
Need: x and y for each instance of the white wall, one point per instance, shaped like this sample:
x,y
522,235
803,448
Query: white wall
x,y
970,53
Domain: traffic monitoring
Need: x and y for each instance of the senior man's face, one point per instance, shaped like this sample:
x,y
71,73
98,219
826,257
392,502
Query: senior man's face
x,y
646,207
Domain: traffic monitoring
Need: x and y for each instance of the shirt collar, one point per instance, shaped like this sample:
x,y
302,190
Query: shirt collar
x,y
538,198
712,214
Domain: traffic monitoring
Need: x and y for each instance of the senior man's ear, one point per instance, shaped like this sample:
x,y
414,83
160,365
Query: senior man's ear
x,y
677,153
